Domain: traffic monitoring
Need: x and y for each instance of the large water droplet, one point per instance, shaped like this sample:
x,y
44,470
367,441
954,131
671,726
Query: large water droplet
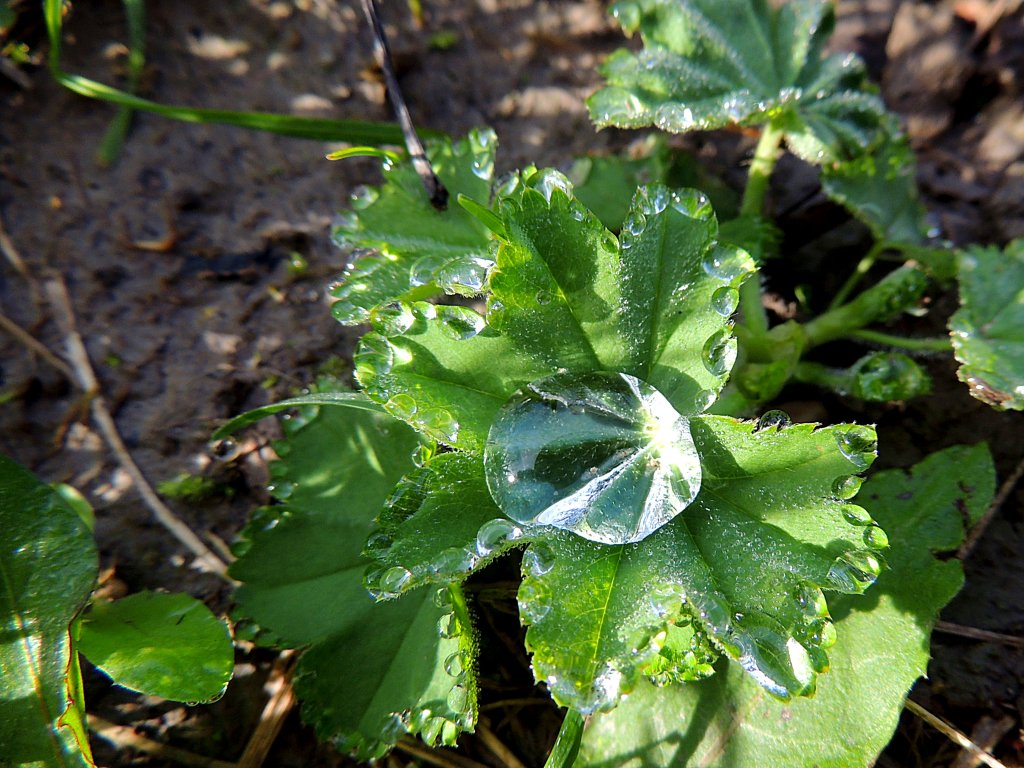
x,y
538,560
875,537
534,602
604,455
692,203
393,319
402,406
393,580
454,664
704,400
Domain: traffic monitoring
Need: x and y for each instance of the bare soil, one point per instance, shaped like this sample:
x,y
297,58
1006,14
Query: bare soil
x,y
177,259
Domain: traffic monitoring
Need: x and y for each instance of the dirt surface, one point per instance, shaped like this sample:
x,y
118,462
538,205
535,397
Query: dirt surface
x,y
178,263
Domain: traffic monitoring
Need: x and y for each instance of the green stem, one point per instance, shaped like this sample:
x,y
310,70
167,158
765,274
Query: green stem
x,y
863,266
567,745
761,167
940,344
898,291
836,379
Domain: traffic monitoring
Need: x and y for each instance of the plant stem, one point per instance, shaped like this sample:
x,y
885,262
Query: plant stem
x,y
899,290
567,745
822,376
761,167
862,269
940,344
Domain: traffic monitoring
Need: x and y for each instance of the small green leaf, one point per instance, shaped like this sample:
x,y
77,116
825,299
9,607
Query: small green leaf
x,y
603,455
880,189
710,63
167,645
988,329
748,558
882,648
47,568
372,671
440,525
405,248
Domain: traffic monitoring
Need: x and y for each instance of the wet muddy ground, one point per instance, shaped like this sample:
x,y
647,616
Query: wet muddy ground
x,y
180,263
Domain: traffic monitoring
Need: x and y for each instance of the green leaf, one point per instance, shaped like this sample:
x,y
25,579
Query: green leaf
x,y
655,305
48,565
603,455
880,189
436,367
405,248
167,645
347,399
882,648
710,63
988,329
746,561
439,526
302,573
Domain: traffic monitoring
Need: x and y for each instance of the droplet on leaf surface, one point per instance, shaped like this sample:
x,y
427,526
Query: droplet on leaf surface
x,y
604,455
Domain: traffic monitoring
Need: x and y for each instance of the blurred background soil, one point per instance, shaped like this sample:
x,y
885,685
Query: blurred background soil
x,y
197,267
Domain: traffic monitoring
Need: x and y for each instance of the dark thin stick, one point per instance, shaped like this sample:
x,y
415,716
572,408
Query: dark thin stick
x,y
435,189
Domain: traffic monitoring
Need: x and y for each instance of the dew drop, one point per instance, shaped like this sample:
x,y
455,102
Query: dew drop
x,y
431,730
459,323
494,533
392,581
855,515
441,424
443,599
692,203
393,319
704,400
392,728
826,635
377,543
453,665
402,406
719,353
449,626
725,265
875,537
534,602
454,561
363,197
845,488
853,572
538,560
458,698
725,300
775,420
543,297
635,224
858,444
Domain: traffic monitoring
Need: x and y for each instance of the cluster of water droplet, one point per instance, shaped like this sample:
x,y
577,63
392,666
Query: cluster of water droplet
x,y
683,653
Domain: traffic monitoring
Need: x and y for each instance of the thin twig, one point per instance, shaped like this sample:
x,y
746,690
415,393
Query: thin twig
x,y
498,747
953,734
435,189
437,757
282,699
123,736
979,527
12,255
978,634
36,346
57,293
986,733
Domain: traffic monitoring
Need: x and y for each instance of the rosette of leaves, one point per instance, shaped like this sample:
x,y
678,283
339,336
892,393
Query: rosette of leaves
x,y
573,415
708,64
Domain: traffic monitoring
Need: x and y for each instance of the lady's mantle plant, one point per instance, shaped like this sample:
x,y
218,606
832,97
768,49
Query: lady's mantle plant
x,y
574,413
